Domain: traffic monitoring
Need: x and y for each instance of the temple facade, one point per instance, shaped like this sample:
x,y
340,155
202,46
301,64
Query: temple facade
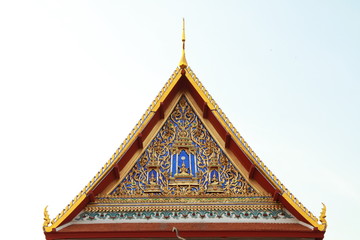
x,y
184,172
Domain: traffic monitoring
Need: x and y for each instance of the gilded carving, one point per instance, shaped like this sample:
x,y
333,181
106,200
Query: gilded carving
x,y
183,159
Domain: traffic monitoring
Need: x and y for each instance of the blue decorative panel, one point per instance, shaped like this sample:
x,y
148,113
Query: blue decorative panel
x,y
183,159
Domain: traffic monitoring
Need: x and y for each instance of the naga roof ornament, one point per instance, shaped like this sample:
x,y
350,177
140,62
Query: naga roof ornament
x,y
184,166
46,218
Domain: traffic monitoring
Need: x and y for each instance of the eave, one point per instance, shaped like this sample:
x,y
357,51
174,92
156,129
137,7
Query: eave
x,y
187,230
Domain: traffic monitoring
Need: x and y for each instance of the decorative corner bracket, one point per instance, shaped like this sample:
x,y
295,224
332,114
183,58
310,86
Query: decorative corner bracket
x,y
205,110
46,218
323,225
227,140
140,141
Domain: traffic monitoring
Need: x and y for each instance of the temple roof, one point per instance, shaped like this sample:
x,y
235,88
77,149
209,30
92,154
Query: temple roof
x,y
231,181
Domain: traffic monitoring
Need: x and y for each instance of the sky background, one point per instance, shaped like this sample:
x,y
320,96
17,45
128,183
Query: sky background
x,y
76,76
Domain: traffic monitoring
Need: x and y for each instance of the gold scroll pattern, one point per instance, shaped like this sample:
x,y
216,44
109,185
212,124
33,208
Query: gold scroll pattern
x,y
211,174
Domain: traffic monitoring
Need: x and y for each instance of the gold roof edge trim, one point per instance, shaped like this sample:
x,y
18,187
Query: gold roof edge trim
x,y
181,207
255,159
55,222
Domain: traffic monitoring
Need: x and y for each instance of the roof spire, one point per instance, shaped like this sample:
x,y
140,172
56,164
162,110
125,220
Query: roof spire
x,y
183,63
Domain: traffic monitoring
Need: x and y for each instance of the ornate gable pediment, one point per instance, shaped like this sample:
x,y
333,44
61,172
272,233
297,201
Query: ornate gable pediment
x,y
183,159
184,165
183,173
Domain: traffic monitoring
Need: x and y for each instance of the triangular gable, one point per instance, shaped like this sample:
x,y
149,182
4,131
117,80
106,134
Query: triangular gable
x,y
205,159
227,136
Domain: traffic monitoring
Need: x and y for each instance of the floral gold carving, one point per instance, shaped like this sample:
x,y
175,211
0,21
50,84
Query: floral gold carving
x,y
183,159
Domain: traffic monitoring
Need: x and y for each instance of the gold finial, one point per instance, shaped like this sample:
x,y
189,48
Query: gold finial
x,y
183,63
183,34
46,218
322,217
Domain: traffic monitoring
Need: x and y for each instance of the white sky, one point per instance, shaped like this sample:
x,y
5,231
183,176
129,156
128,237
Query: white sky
x,y
76,76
